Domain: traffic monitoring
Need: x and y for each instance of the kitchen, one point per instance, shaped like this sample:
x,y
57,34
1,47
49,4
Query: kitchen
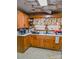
x,y
39,26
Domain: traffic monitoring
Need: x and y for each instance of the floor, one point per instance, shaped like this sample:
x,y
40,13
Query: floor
x,y
37,53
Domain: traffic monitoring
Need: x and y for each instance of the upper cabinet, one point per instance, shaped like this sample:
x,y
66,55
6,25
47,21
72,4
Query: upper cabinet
x,y
27,21
22,20
38,16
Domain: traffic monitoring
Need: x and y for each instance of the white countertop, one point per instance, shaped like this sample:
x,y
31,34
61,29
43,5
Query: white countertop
x,y
24,34
38,34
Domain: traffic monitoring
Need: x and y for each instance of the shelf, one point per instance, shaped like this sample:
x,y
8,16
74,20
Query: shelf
x,y
43,30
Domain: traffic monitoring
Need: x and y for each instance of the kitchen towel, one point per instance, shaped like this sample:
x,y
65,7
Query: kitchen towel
x,y
57,39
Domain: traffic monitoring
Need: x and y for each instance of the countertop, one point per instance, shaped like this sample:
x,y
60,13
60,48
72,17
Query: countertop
x,y
38,34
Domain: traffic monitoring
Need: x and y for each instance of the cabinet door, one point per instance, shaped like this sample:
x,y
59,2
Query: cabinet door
x,y
57,46
31,40
20,19
60,40
60,43
26,42
26,21
40,39
20,44
48,42
35,41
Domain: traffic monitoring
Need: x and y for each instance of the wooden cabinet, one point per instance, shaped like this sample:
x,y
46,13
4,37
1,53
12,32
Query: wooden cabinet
x,y
60,43
37,41
49,41
26,42
31,40
22,43
22,20
27,21
37,16
42,41
58,46
34,41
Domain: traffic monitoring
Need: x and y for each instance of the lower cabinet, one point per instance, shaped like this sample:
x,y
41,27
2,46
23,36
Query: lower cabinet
x,y
26,42
34,41
42,41
22,43
58,46
49,41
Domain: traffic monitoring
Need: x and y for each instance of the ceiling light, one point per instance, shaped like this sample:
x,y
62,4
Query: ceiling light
x,y
42,2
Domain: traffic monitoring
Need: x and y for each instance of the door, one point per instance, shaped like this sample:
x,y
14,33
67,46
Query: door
x,y
35,41
20,19
57,46
48,42
20,44
26,42
26,21
32,40
60,42
40,39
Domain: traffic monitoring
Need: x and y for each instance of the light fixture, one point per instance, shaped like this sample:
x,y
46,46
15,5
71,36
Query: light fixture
x,y
42,2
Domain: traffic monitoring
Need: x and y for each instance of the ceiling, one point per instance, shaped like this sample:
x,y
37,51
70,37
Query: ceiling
x,y
32,6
